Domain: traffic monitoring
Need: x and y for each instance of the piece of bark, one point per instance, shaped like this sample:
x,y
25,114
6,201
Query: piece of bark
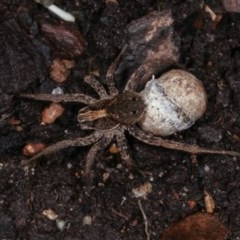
x,y
66,41
152,47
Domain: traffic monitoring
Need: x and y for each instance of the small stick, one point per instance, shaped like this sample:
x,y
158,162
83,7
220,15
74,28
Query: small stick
x,y
145,220
120,215
66,16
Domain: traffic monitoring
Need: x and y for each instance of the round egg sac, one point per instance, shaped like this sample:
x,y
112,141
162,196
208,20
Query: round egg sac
x,y
173,103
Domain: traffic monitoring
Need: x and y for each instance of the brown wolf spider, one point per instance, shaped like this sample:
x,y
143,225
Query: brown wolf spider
x,y
111,117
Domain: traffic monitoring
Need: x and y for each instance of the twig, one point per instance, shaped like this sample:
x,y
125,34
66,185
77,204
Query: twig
x,y
145,220
120,215
66,16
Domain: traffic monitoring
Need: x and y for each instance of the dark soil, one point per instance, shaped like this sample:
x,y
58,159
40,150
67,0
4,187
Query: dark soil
x,y
208,50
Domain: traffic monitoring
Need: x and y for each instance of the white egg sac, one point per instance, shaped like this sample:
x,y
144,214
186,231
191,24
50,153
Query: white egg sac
x,y
173,103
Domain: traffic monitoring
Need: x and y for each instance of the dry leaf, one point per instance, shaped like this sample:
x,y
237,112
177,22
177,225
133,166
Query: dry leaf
x,y
199,226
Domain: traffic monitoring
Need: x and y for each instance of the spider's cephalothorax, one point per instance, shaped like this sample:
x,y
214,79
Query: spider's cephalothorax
x,y
125,108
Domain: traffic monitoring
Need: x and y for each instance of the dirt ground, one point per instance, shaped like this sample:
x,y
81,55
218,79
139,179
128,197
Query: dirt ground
x,y
210,50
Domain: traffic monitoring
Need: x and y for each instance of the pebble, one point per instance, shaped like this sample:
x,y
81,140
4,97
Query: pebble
x,y
57,91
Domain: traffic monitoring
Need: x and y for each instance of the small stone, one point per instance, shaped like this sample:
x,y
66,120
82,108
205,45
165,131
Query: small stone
x,y
113,149
131,177
61,224
106,176
161,174
1,166
50,214
142,191
69,165
51,113
119,166
206,168
87,220
60,69
32,149
57,91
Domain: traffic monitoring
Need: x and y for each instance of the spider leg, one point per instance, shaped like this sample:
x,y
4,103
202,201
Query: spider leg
x,y
83,141
124,153
135,79
124,149
74,97
97,86
147,138
110,73
98,146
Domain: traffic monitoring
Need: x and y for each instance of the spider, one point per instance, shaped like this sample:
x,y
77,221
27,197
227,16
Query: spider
x,y
110,117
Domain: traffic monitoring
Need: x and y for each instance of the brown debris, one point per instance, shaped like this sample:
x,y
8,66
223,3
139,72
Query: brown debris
x,y
209,202
66,40
231,5
50,214
60,69
14,121
199,226
216,18
142,191
51,113
113,149
236,138
32,149
210,12
192,204
152,46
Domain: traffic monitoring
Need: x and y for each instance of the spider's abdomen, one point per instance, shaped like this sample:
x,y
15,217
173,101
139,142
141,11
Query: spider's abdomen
x,y
126,108
173,103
